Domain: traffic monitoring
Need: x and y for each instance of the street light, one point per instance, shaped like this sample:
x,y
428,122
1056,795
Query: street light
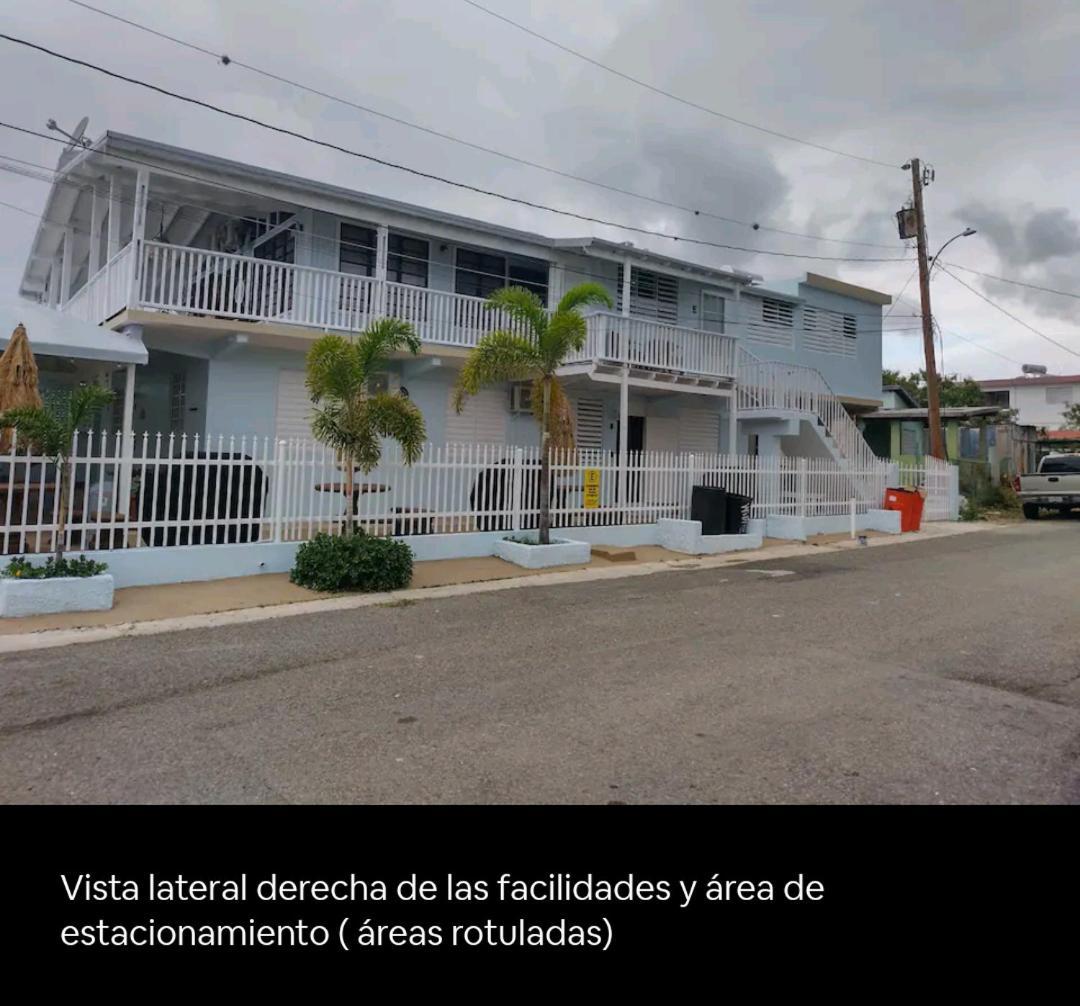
x,y
965,233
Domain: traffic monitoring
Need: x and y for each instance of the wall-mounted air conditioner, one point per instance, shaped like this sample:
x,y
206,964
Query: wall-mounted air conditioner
x,y
521,398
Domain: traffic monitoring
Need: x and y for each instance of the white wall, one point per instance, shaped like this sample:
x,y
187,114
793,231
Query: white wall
x,y
1034,410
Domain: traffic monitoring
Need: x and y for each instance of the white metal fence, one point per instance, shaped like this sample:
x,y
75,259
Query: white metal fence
x,y
941,481
167,490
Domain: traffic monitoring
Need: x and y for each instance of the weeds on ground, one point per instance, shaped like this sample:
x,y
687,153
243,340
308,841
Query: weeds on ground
x,y
991,502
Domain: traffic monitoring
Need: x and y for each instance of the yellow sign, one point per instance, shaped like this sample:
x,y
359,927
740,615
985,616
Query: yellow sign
x,y
592,488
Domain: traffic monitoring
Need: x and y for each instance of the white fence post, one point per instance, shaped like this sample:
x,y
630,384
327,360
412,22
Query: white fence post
x,y
516,482
279,489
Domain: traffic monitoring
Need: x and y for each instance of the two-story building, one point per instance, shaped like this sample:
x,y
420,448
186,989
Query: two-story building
x,y
227,272
1039,400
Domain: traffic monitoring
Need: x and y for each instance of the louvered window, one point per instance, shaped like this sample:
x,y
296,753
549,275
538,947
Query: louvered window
x,y
652,295
774,324
589,433
829,331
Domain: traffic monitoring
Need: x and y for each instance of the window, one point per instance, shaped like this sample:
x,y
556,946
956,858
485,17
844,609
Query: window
x,y
407,261
911,439
997,398
1063,464
652,295
356,250
712,311
775,324
1059,394
969,442
479,274
827,331
280,248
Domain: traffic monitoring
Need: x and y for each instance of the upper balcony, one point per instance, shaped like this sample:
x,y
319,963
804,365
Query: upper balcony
x,y
194,282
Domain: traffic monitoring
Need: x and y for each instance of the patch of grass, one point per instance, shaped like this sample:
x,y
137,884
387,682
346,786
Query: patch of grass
x,y
991,503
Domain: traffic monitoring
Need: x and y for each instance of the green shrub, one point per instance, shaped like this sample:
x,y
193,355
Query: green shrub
x,y
23,569
352,562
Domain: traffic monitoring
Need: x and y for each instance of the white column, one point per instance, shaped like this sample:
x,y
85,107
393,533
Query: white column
x,y
733,421
54,284
556,283
94,262
382,254
626,274
65,267
138,235
624,424
114,218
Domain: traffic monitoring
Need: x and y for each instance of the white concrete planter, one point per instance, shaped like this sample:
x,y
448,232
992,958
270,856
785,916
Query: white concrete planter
x,y
19,598
560,552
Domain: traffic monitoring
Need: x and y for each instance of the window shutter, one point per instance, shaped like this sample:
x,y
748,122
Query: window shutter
x,y
774,322
652,295
293,416
589,424
482,421
828,331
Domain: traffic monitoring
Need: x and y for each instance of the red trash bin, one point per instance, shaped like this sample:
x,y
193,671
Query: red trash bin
x,y
910,504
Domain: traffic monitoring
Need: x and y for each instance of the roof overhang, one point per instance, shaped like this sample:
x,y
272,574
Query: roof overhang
x,y
52,333
836,286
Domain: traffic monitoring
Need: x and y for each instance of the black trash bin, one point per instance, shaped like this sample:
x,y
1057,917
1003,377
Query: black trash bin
x,y
737,513
708,504
228,496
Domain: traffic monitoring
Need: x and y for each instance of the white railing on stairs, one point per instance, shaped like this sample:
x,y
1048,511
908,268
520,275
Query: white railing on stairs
x,y
766,386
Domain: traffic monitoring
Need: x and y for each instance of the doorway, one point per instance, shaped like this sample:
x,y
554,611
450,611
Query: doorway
x,y
635,444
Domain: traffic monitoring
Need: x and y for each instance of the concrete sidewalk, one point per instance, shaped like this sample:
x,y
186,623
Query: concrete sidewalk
x,y
177,607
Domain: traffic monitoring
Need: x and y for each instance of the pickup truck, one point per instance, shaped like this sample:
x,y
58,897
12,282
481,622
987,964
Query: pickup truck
x,y
1055,486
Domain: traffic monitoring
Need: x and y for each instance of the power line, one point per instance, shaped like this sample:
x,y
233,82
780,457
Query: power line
x,y
675,97
284,131
1009,314
979,345
1013,282
655,200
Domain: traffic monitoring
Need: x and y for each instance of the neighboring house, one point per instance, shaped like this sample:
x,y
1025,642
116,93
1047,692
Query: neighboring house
x,y
901,433
1038,400
227,272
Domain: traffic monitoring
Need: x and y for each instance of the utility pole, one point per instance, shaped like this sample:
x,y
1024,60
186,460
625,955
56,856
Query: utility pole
x,y
933,390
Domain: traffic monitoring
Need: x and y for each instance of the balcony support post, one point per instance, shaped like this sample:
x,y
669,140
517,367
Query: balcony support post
x,y
733,421
624,306
382,257
624,424
114,219
65,265
138,235
94,261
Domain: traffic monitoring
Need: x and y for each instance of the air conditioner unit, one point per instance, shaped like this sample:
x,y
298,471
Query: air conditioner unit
x,y
521,398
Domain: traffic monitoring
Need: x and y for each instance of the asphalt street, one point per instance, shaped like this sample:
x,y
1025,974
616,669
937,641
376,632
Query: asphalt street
x,y
937,671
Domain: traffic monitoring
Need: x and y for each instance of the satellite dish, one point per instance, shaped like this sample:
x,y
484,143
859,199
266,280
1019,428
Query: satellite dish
x,y
78,135
76,140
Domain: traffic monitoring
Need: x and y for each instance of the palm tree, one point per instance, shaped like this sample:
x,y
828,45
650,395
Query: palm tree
x,y
50,430
535,356
348,417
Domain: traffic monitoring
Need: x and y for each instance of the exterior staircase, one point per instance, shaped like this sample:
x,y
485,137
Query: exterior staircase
x,y
766,389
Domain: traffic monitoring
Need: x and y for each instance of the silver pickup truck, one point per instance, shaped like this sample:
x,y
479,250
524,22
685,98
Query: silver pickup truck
x,y
1055,486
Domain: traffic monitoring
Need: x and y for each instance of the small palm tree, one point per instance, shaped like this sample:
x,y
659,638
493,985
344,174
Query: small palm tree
x,y
348,417
536,356
50,430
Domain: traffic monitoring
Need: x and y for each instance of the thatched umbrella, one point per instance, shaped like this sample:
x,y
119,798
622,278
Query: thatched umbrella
x,y
18,379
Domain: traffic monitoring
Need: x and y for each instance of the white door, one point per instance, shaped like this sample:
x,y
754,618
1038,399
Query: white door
x,y
712,311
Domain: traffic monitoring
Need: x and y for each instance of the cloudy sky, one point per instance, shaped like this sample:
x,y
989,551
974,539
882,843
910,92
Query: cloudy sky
x,y
984,90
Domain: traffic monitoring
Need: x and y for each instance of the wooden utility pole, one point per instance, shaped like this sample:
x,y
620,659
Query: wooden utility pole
x,y
933,390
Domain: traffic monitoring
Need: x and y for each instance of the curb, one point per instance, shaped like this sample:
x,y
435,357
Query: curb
x,y
49,638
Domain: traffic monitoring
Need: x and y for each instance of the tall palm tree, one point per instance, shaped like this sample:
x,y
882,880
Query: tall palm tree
x,y
50,430
534,356
348,417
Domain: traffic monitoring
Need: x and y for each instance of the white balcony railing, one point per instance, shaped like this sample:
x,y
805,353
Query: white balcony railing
x,y
216,284
194,281
639,342
106,292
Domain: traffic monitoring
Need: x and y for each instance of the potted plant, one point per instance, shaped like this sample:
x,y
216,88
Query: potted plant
x,y
503,356
59,584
